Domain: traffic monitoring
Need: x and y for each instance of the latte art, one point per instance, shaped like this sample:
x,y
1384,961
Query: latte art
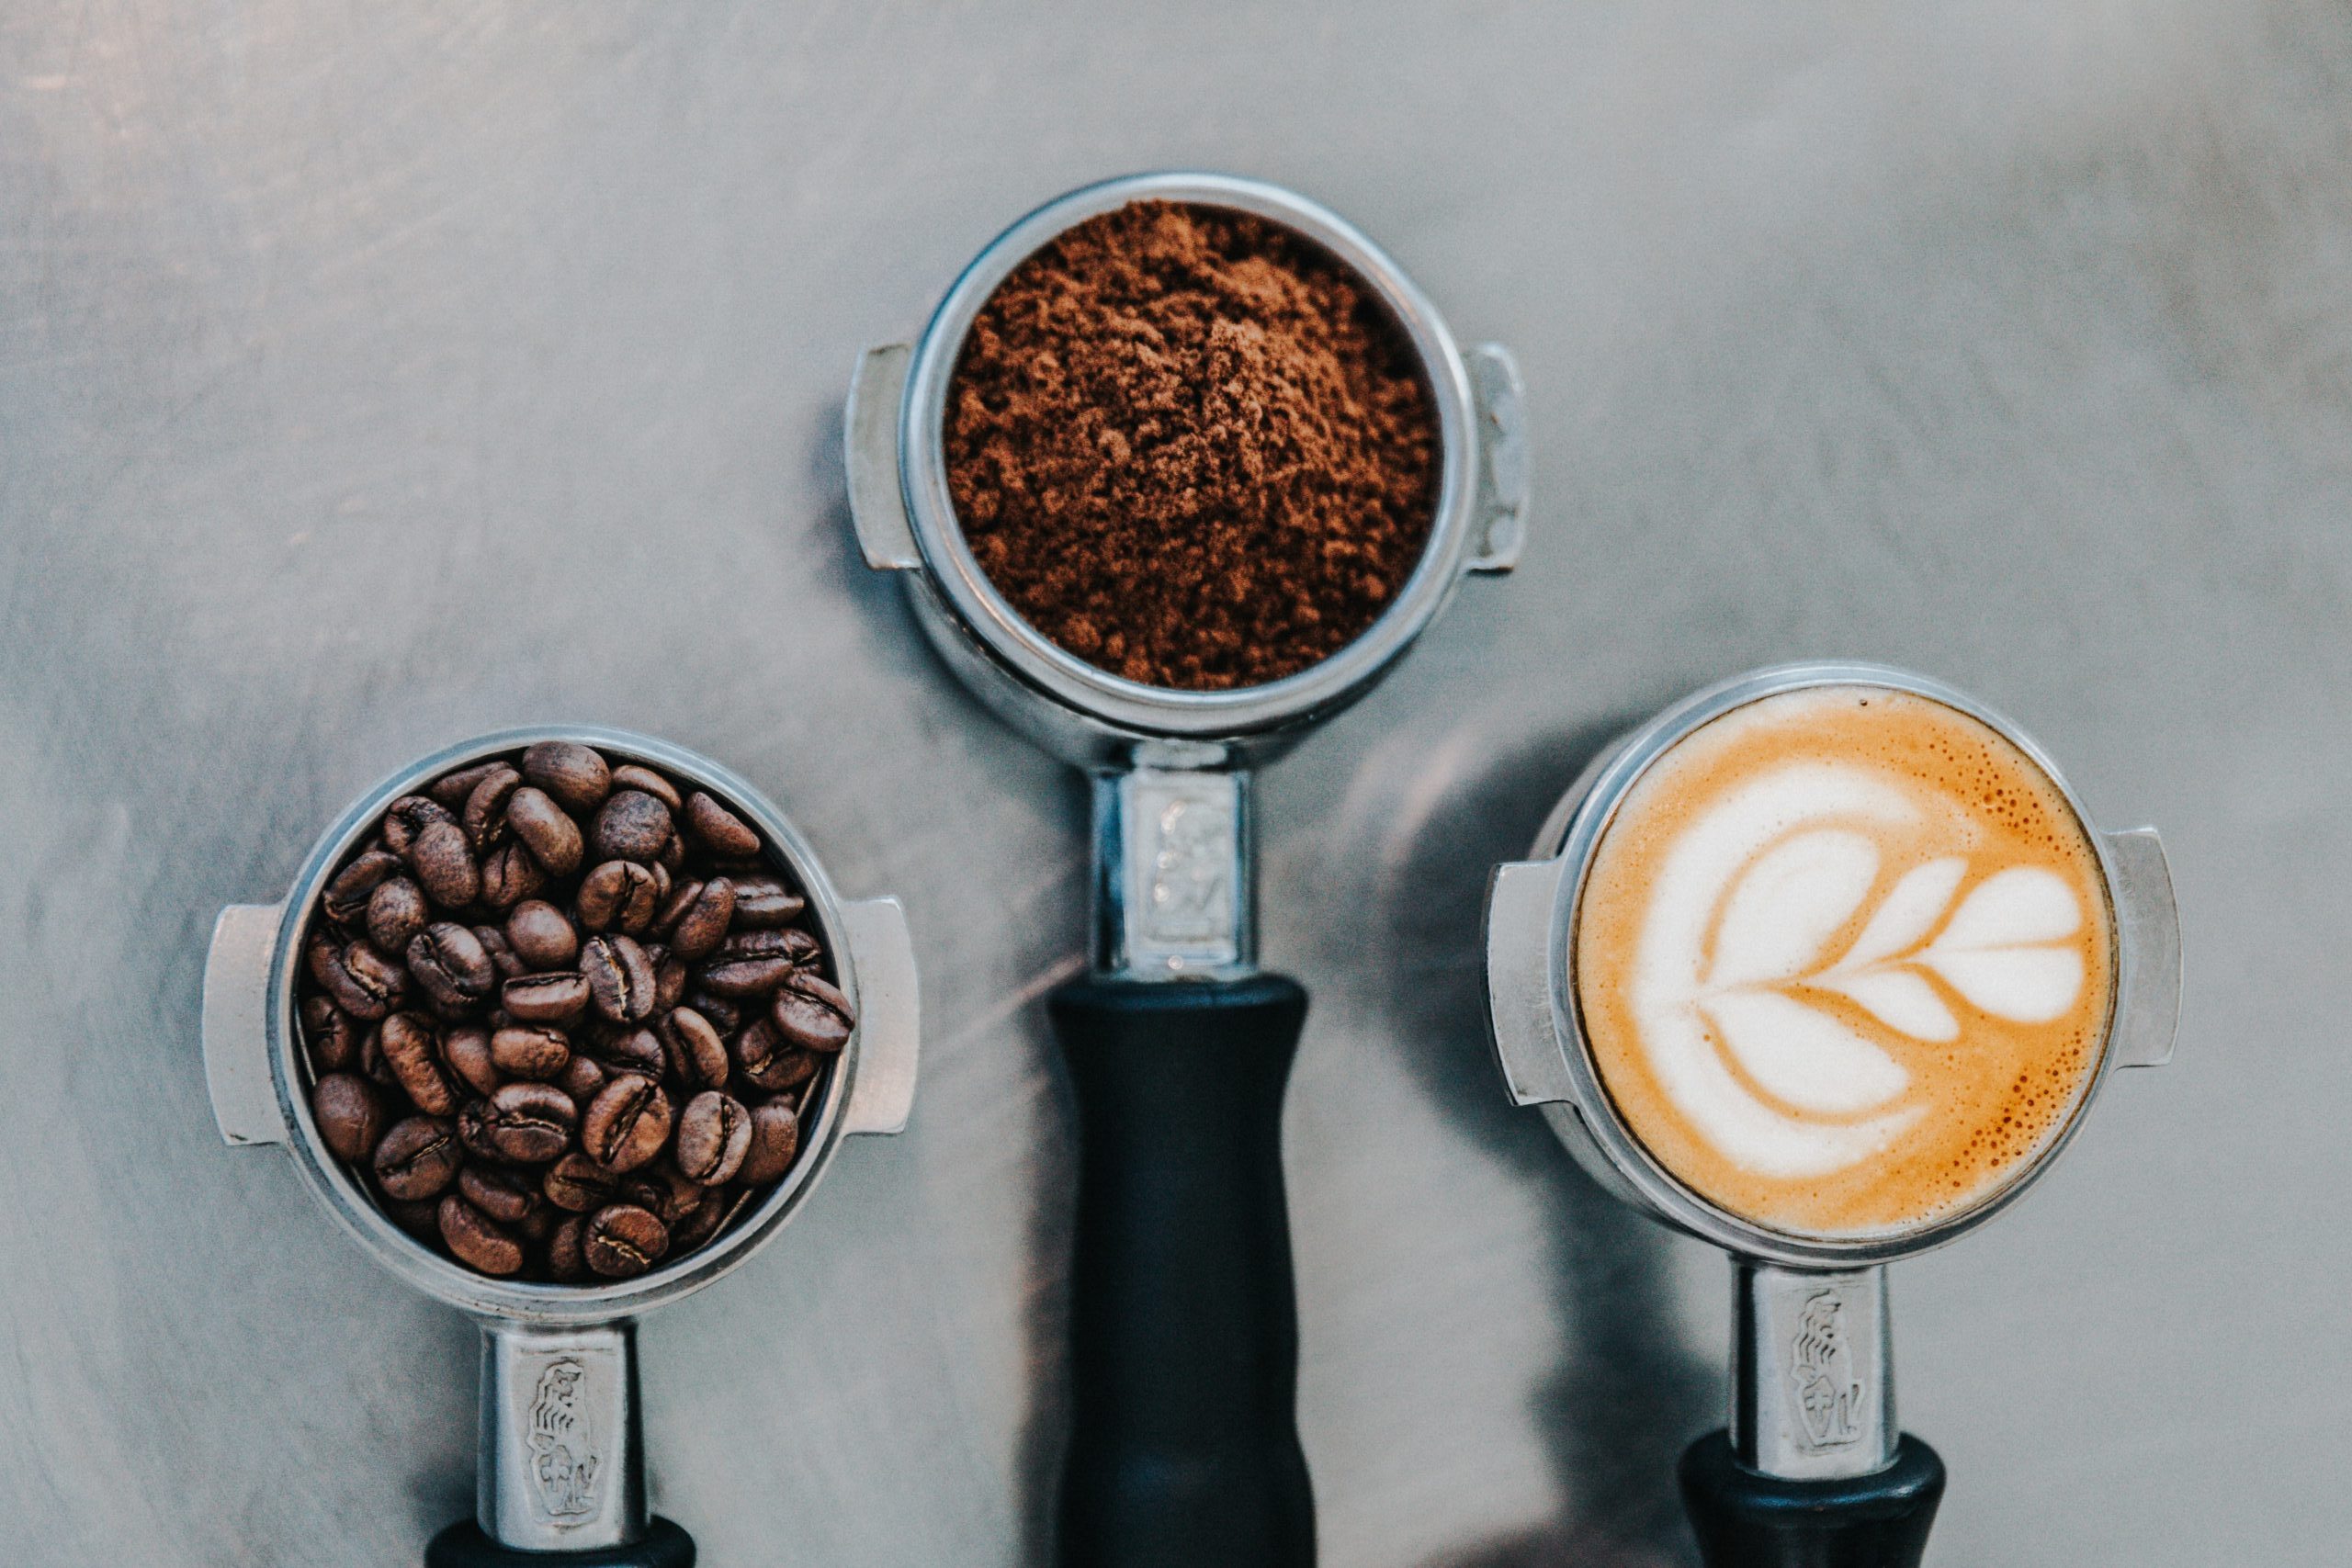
x,y
1843,959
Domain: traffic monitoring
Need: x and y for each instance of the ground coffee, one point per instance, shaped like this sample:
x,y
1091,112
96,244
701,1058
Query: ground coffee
x,y
1191,448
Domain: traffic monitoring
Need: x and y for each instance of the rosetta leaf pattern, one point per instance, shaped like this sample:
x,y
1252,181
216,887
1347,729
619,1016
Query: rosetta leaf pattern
x,y
2003,950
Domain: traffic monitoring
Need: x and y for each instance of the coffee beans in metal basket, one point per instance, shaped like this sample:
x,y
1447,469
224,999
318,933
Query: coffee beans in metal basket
x,y
563,1015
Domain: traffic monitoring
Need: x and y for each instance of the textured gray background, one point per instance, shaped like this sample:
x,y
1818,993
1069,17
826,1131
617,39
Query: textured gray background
x,y
374,375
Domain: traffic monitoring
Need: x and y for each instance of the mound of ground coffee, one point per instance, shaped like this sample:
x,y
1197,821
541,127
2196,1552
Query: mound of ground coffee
x,y
1191,446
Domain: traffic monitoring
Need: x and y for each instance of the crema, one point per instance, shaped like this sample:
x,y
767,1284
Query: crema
x,y
1845,960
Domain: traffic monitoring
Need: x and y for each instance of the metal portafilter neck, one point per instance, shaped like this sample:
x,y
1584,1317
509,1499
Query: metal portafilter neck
x,y
1183,1330
560,1466
1812,1421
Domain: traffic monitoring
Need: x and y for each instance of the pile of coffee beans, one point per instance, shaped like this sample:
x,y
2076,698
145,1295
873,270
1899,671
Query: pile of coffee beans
x,y
563,1016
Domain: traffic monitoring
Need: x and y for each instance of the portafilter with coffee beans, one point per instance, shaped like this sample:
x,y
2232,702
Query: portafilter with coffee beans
x,y
561,1025
1185,1446
1823,965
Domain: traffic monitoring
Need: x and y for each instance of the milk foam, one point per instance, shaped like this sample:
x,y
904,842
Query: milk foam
x,y
1841,962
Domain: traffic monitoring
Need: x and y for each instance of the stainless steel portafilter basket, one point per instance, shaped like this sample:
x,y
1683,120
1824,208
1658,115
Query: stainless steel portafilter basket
x,y
1184,1328
561,1469
1812,1316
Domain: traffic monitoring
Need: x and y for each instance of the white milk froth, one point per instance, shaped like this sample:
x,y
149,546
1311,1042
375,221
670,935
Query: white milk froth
x,y
1843,958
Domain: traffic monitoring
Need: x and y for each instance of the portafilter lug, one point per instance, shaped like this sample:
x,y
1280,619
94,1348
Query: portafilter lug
x,y
236,1025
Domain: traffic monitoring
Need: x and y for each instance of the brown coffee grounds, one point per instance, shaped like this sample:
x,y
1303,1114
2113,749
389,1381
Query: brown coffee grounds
x,y
1191,446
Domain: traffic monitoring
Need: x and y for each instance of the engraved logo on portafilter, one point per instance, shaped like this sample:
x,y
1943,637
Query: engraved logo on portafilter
x,y
565,1465
1821,1375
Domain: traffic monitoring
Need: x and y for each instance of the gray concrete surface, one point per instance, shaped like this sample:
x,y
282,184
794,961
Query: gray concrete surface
x,y
374,375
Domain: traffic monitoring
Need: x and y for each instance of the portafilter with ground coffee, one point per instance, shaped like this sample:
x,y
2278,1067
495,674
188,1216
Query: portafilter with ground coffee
x,y
1823,965
627,1020
1176,360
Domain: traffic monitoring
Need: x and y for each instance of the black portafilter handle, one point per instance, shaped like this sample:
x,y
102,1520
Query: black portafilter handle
x,y
1747,1521
463,1545
1184,1447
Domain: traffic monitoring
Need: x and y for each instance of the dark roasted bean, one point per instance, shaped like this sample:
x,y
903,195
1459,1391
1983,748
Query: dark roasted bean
x,y
397,912
579,1184
555,997
473,1132
636,1049
624,1241
584,1079
699,1227
332,1034
418,1158
764,902
452,790
700,922
697,1054
509,875
476,1238
445,864
627,1124
531,1050
349,1117
531,1123
670,976
501,954
792,944
714,1135
725,833
631,825
746,977
421,1219
450,964
552,837
484,817
541,936
505,1196
770,1062
348,895
566,1261
466,1048
619,978
413,1050
631,776
362,981
406,818
776,1138
620,895
811,1014
576,776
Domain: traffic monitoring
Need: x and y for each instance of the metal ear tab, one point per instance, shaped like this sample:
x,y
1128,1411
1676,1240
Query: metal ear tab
x,y
2147,1014
1520,897
870,435
1500,523
890,1017
236,1025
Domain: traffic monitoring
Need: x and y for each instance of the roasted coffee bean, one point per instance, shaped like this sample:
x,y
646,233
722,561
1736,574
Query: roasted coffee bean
x,y
552,837
406,818
792,944
372,1065
363,982
538,1221
697,916
465,1047
474,1133
631,825
670,1192
445,864
768,1061
720,829
531,1050
630,775
476,1239
714,1135
577,777
348,894
619,978
725,1014
636,1049
413,1050
332,1034
509,875
541,936
560,997
776,1138
627,1124
743,977
505,1196
624,1241
484,817
453,789
697,1054
579,1184
584,1079
620,895
566,1261
418,1158
670,976
673,858
451,966
764,902
501,954
349,1116
699,1227
811,1014
531,1123
421,1219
